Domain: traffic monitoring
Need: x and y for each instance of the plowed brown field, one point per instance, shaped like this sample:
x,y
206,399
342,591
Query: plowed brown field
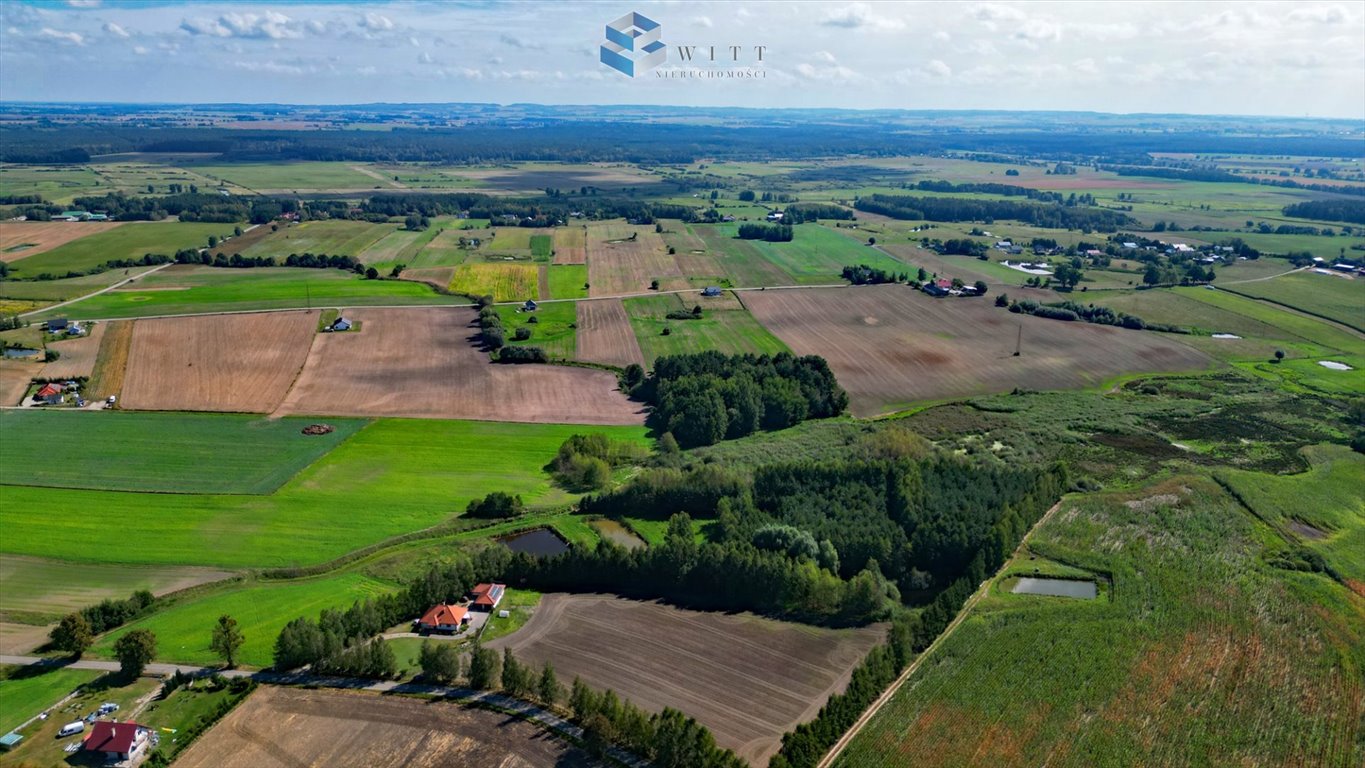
x,y
216,362
422,363
43,236
571,245
747,679
292,727
890,346
617,264
14,380
605,335
77,355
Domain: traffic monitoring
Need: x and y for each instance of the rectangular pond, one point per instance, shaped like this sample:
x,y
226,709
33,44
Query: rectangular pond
x,y
613,531
540,542
1056,587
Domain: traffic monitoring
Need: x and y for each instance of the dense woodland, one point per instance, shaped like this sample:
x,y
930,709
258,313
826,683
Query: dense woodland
x,y
1049,215
1351,211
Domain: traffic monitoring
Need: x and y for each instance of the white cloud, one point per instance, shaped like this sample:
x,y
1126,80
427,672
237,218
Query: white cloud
x,y
992,12
830,74
942,36
48,33
859,16
375,22
703,21
826,57
140,50
115,29
425,58
1035,30
270,25
1331,14
938,68
520,44
84,3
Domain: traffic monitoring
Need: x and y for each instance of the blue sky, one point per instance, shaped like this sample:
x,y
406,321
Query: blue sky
x,y
1294,58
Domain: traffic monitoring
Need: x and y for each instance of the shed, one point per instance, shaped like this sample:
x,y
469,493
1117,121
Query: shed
x,y
529,306
341,324
57,324
711,290
10,740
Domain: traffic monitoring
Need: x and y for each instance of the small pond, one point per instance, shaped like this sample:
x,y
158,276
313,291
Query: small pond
x,y
541,542
613,531
1056,588
20,352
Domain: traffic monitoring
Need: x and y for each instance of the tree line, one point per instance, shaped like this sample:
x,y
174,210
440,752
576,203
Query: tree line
x,y
862,274
1352,211
1052,215
772,233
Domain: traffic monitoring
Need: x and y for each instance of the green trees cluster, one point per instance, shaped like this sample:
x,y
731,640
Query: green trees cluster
x,y
135,651
862,274
584,462
1090,313
707,397
773,233
1048,215
1352,211
491,332
668,739
98,619
521,355
440,662
372,658
495,506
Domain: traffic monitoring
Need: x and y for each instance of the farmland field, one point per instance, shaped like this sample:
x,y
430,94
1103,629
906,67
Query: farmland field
x,y
14,380
216,363
890,345
47,291
731,330
1187,660
261,610
817,254
1336,298
605,334
288,727
26,692
567,281
617,264
332,237
422,363
111,362
181,290
443,250
77,355
21,239
36,588
571,245
504,282
399,245
390,478
771,676
552,331
130,241
56,183
248,454
289,176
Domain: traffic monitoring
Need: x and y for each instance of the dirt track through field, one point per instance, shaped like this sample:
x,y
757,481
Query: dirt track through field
x,y
242,363
43,236
290,727
747,679
890,346
605,335
424,363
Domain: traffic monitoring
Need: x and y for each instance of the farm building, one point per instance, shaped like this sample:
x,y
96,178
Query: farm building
x,y
444,618
710,290
939,287
486,597
340,324
10,740
50,393
57,324
117,741
529,306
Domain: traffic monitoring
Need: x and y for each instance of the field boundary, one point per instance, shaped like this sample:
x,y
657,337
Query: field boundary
x,y
1359,332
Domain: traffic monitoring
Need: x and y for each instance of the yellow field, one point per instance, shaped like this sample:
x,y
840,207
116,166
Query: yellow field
x,y
506,282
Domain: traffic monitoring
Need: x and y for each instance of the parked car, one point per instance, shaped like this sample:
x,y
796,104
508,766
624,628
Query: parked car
x,y
108,707
112,399
71,729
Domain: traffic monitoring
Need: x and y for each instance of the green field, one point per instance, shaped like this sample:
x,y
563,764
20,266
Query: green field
x,y
397,247
24,692
184,290
332,237
542,247
172,452
521,603
443,250
1183,662
130,241
567,281
514,241
290,175
553,330
56,183
38,591
392,477
816,255
67,288
728,330
261,610
1336,298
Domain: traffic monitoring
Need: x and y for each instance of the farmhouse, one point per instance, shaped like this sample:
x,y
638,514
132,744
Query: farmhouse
x,y
57,324
529,306
444,618
939,287
486,597
117,741
340,324
50,393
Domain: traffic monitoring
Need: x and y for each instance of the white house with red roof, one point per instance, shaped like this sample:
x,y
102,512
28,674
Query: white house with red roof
x,y
117,742
444,618
486,597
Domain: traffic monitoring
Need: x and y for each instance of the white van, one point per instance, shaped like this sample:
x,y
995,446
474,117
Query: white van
x,y
71,729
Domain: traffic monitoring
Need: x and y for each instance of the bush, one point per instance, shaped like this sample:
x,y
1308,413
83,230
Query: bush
x,y
522,334
517,355
496,505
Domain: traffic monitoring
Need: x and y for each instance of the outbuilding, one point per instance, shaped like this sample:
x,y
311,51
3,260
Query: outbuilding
x,y
341,324
486,597
711,291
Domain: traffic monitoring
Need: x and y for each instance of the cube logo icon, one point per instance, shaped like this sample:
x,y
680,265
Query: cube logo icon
x,y
632,46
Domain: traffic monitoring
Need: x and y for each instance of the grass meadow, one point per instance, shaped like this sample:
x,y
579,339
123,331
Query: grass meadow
x,y
553,329
392,477
41,591
130,241
330,236
172,452
47,291
290,175
727,330
24,692
1335,298
567,281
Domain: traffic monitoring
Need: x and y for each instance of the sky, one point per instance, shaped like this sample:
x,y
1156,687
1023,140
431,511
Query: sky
x,y
1252,58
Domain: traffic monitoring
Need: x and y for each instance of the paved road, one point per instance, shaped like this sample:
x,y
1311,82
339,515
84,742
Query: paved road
x,y
521,708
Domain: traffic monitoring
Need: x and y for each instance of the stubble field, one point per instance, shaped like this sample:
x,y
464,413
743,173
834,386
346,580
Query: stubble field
x,y
77,355
617,264
605,334
290,727
890,346
21,239
745,678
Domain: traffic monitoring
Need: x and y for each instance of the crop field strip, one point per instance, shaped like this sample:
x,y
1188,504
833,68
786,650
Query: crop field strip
x,y
394,477
14,380
571,244
772,675
504,282
78,355
890,345
605,334
617,264
21,239
1340,299
128,241
47,589
242,363
64,289
731,330
332,237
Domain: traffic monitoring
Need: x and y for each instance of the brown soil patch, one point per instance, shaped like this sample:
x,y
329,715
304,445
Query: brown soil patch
x,y
289,727
111,363
604,334
1307,531
242,363
747,679
20,639
571,244
620,265
45,235
423,362
437,277
14,380
928,349
77,355
543,282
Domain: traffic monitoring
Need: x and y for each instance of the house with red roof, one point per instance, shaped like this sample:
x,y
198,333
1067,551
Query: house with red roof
x,y
50,393
444,618
117,741
486,597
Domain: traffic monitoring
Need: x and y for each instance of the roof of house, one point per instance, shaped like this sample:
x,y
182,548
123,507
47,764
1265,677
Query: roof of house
x,y
107,736
487,594
57,322
443,615
10,739
50,389
943,282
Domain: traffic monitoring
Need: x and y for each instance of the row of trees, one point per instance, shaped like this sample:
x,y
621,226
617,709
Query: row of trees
x,y
773,233
1048,215
188,206
1352,211
1090,313
862,274
74,633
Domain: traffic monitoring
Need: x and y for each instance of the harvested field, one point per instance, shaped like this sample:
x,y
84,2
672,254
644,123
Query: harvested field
x,y
21,239
890,346
77,355
437,277
216,362
423,363
291,727
40,587
111,363
605,335
14,379
746,678
442,250
619,265
20,639
504,282
571,245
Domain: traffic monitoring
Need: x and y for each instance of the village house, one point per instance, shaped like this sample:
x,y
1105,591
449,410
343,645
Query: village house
x,y
50,393
444,618
485,597
530,306
711,291
117,742
57,324
939,287
340,324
